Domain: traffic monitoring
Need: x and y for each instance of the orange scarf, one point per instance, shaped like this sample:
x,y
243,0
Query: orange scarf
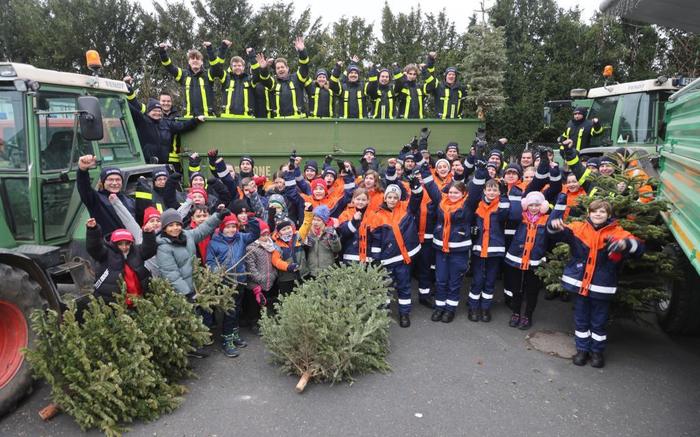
x,y
484,211
448,207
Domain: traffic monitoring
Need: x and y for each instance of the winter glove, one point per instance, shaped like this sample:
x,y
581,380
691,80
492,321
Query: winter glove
x,y
440,154
259,296
480,164
615,249
292,160
192,297
223,212
328,160
414,143
195,160
414,183
293,267
503,187
406,148
260,180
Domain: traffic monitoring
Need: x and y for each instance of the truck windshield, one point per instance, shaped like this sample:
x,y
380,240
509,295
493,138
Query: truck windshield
x,y
603,108
13,135
637,118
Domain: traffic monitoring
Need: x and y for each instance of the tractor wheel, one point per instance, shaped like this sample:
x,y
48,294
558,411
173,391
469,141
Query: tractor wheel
x,y
678,312
19,296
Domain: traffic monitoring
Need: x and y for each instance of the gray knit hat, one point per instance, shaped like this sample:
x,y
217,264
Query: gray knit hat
x,y
169,216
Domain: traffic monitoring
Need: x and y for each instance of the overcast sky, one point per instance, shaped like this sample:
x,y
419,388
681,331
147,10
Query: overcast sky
x,y
370,10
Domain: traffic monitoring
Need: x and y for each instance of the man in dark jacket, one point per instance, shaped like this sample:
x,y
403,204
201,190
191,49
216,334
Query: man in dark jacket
x,y
156,133
97,202
579,130
197,82
238,89
447,93
351,93
119,259
287,89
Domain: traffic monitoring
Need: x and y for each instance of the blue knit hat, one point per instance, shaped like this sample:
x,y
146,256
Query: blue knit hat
x,y
322,212
152,104
108,171
160,171
321,71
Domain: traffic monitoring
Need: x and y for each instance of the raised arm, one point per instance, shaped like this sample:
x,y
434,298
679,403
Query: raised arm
x,y
166,62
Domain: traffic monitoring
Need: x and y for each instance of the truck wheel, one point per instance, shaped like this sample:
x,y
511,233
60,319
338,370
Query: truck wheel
x,y
678,313
19,296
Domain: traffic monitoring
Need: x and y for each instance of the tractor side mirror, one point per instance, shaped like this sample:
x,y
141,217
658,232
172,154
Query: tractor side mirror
x,y
90,118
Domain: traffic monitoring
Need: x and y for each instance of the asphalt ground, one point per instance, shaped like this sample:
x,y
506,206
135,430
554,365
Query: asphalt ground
x,y
462,378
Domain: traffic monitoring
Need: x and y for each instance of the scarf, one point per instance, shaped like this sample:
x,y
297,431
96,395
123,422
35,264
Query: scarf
x,y
485,209
532,218
268,245
448,207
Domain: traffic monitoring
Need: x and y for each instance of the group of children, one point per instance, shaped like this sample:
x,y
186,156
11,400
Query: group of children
x,y
432,217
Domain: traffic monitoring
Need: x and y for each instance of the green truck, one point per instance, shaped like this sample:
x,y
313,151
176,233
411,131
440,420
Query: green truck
x,y
48,119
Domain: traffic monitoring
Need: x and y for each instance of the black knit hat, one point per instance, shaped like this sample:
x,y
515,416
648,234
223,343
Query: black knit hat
x,y
246,158
283,224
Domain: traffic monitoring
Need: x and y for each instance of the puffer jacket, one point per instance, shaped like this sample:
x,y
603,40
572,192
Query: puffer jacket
x,y
227,252
259,266
110,262
175,256
321,250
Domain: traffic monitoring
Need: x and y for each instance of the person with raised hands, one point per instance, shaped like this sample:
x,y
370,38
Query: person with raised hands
x,y
455,207
197,82
287,88
394,240
352,92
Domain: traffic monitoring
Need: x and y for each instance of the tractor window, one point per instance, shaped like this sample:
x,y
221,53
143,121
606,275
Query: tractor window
x,y
18,213
637,118
58,132
603,108
13,136
116,145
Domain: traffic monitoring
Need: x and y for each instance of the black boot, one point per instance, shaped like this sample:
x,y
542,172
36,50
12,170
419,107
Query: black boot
x,y
437,315
597,360
473,315
404,320
448,316
486,316
581,358
550,296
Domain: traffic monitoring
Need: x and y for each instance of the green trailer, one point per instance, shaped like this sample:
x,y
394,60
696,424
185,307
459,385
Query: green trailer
x,y
269,142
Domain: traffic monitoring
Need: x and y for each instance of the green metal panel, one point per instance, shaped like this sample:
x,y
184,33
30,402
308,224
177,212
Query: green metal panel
x,y
680,169
270,141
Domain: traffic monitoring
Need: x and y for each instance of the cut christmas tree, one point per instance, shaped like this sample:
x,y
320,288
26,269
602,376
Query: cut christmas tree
x,y
333,327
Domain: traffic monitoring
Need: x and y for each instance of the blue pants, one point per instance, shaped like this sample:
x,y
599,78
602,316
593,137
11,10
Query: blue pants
x,y
231,317
590,318
450,269
401,277
423,265
485,271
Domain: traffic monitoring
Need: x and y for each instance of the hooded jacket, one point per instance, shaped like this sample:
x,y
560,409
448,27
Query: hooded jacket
x,y
176,255
227,252
110,262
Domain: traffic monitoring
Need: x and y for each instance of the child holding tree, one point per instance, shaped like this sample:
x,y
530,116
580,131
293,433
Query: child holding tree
x,y
226,251
598,246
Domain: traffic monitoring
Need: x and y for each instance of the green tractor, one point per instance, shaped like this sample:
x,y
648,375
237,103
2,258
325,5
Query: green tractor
x,y
48,119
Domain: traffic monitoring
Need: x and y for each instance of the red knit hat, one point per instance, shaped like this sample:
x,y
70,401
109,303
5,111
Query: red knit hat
x,y
229,219
150,213
264,227
201,191
121,235
318,183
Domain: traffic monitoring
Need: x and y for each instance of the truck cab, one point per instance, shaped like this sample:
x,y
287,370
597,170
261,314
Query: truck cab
x,y
48,119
